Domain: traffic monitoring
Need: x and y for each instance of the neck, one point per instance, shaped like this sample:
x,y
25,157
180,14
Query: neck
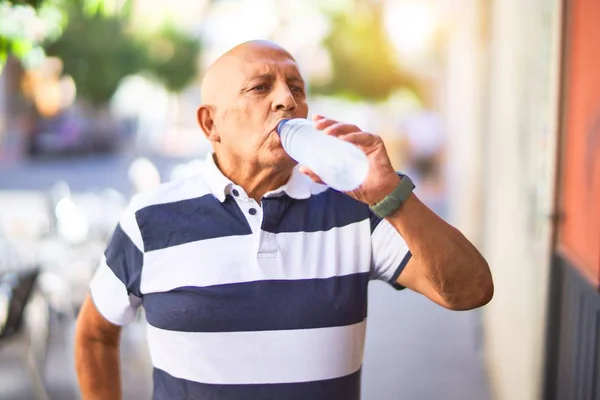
x,y
255,179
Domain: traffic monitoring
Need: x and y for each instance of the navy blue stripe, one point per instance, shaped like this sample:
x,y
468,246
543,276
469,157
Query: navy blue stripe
x,y
261,305
167,387
172,224
125,260
375,220
320,212
399,270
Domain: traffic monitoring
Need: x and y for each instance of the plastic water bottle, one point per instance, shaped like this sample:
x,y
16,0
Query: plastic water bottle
x,y
340,164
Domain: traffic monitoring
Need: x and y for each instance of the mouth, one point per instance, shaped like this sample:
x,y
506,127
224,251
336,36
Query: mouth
x,y
278,121
276,125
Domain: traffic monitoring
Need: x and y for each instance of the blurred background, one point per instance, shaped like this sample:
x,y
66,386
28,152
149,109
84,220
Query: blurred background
x,y
492,106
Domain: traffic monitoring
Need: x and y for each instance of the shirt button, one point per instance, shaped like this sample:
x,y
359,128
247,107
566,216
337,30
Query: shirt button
x,y
252,211
235,192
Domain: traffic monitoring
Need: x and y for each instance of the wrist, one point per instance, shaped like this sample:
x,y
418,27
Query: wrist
x,y
394,200
390,184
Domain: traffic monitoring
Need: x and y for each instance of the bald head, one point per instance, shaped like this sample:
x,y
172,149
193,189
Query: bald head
x,y
220,72
245,93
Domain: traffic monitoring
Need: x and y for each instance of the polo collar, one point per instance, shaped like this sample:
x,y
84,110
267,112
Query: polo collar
x,y
297,187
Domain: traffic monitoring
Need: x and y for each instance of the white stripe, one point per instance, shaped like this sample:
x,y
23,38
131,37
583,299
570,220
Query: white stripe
x,y
299,355
233,259
178,190
389,248
111,298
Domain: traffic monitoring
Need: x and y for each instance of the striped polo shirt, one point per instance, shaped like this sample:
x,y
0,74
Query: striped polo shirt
x,y
246,300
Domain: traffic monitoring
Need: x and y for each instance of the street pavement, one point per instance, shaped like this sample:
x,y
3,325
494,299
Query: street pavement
x,y
415,349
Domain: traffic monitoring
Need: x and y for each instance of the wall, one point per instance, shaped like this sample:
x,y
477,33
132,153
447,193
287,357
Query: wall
x,y
463,111
501,97
573,342
519,162
579,238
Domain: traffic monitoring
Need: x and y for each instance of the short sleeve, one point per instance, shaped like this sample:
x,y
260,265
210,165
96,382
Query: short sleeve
x,y
390,254
115,287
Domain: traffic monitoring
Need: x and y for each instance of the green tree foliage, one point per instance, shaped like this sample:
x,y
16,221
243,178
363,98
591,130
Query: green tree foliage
x,y
17,34
96,45
26,24
97,51
32,3
363,59
173,58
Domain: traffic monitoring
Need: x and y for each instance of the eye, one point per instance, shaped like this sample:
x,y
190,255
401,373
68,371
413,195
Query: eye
x,y
260,88
297,89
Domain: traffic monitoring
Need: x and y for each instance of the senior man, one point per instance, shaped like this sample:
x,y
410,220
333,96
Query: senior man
x,y
253,275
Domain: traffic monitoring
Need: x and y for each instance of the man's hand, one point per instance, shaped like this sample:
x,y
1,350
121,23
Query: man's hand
x,y
381,180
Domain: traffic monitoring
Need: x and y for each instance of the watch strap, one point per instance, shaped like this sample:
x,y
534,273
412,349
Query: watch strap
x,y
394,200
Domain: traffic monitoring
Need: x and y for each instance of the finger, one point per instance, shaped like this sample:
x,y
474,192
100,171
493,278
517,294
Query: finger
x,y
317,117
360,139
314,177
306,171
323,123
341,129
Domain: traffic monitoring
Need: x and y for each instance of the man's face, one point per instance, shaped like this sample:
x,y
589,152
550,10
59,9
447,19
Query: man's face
x,y
263,87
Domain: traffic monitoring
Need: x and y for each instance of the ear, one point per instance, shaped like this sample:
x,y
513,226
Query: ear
x,y
204,114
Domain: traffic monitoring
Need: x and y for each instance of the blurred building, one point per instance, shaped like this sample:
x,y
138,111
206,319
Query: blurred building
x,y
13,127
522,104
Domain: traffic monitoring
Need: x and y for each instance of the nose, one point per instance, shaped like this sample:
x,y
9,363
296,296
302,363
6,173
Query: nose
x,y
283,99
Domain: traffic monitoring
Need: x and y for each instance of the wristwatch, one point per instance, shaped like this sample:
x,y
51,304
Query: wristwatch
x,y
394,200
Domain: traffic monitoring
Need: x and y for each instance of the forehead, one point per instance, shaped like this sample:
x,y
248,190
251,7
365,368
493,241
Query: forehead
x,y
262,62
